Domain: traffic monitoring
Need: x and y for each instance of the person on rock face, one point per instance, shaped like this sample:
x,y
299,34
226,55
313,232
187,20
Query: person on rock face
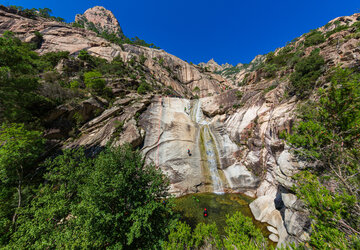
x,y
205,212
189,152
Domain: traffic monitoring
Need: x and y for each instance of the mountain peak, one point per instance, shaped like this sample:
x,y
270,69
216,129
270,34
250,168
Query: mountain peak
x,y
99,19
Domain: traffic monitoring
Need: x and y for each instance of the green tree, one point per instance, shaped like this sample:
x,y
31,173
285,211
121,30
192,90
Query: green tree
x,y
19,100
314,38
113,201
180,237
307,71
49,220
45,12
143,88
54,57
206,235
242,234
19,150
93,80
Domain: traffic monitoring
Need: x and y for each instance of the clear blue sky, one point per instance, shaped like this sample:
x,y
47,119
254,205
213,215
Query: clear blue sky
x,y
198,30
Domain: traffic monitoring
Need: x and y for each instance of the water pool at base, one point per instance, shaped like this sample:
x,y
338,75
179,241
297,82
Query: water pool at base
x,y
191,208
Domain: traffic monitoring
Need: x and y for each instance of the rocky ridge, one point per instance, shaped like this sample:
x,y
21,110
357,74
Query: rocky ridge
x,y
234,74
246,127
101,19
213,66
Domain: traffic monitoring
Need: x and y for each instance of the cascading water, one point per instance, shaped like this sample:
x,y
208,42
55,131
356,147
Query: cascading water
x,y
209,145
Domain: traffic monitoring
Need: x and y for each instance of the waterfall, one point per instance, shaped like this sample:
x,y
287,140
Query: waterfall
x,y
208,141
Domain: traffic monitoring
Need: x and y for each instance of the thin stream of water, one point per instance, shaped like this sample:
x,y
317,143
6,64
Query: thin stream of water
x,y
209,146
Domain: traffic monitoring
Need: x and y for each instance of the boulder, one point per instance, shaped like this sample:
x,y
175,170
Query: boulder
x,y
296,222
286,164
272,230
273,237
288,199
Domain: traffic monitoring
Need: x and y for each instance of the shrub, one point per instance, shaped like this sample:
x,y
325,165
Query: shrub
x,y
307,71
143,88
84,55
240,234
74,84
196,89
77,25
239,95
314,38
142,58
38,40
268,89
270,70
337,29
93,80
54,57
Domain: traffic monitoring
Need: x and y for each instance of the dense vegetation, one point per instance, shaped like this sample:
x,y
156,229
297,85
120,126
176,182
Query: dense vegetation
x,y
240,233
30,85
328,136
32,13
307,71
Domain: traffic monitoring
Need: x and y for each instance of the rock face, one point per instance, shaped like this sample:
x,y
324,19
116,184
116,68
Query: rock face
x,y
168,70
100,18
212,66
176,126
116,125
238,74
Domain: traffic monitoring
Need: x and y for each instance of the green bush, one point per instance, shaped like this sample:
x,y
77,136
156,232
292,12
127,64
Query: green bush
x,y
77,25
270,70
54,57
268,89
84,55
38,40
112,201
196,89
143,88
142,59
240,233
337,29
94,81
307,71
239,94
314,38
74,84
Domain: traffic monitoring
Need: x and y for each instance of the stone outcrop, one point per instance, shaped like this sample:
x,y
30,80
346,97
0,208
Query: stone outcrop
x,y
218,104
239,74
212,66
115,126
101,19
62,119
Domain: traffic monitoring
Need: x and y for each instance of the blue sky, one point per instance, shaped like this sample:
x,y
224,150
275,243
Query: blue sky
x,y
198,30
